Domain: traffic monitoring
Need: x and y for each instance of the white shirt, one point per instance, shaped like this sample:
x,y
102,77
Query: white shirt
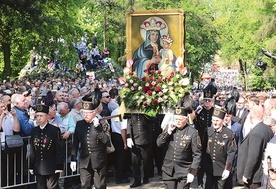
x,y
248,126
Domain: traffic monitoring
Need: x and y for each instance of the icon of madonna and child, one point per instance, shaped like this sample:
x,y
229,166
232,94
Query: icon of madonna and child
x,y
155,52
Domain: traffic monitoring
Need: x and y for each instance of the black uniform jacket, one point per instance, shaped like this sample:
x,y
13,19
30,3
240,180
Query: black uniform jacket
x,y
47,154
184,152
251,153
218,150
139,128
93,142
203,121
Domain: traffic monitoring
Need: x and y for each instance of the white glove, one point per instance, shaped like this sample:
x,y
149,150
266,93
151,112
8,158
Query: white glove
x,y
96,121
31,171
190,178
58,171
73,166
130,143
171,127
225,174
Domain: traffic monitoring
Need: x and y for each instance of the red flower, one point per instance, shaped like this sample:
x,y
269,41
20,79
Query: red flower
x,y
159,71
146,70
172,74
149,92
145,89
155,101
137,78
150,78
145,103
158,88
150,86
159,80
144,78
131,73
152,71
168,79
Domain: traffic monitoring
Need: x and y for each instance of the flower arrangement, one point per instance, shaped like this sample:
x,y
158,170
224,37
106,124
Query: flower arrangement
x,y
153,92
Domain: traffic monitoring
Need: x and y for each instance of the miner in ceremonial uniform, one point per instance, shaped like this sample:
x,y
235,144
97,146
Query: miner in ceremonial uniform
x,y
204,116
47,153
204,113
89,134
219,148
139,137
183,155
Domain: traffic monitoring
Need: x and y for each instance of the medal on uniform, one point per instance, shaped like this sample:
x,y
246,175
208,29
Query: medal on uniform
x,y
44,142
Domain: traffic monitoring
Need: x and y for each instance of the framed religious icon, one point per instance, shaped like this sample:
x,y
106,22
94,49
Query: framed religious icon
x,y
155,37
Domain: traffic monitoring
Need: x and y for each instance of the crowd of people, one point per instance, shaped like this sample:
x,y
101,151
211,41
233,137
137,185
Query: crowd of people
x,y
86,48
217,136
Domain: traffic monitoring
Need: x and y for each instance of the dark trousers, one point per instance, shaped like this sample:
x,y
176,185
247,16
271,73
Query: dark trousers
x,y
214,182
139,153
86,175
177,184
121,165
47,181
252,185
174,183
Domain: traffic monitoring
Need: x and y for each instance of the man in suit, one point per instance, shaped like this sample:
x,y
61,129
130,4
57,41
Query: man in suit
x,y
139,136
46,149
249,164
183,154
89,134
219,148
241,113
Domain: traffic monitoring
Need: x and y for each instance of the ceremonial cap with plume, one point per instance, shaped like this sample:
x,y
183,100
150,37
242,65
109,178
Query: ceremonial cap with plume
x,y
210,90
230,103
92,100
184,106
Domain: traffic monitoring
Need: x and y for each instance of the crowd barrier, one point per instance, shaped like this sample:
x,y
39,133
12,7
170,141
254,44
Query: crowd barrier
x,y
15,163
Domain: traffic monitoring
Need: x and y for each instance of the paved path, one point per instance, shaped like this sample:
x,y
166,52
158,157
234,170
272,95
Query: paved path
x,y
154,183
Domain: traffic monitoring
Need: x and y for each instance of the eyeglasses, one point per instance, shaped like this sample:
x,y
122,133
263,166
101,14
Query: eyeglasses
x,y
207,100
106,96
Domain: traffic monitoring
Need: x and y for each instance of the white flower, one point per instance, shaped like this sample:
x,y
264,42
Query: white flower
x,y
160,100
131,81
170,83
153,93
147,84
132,88
180,95
139,88
165,90
165,97
164,86
184,81
136,97
127,77
126,70
142,97
177,76
135,84
160,93
153,83
126,85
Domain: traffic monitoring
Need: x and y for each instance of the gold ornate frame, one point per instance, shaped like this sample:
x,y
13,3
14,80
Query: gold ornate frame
x,y
175,20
